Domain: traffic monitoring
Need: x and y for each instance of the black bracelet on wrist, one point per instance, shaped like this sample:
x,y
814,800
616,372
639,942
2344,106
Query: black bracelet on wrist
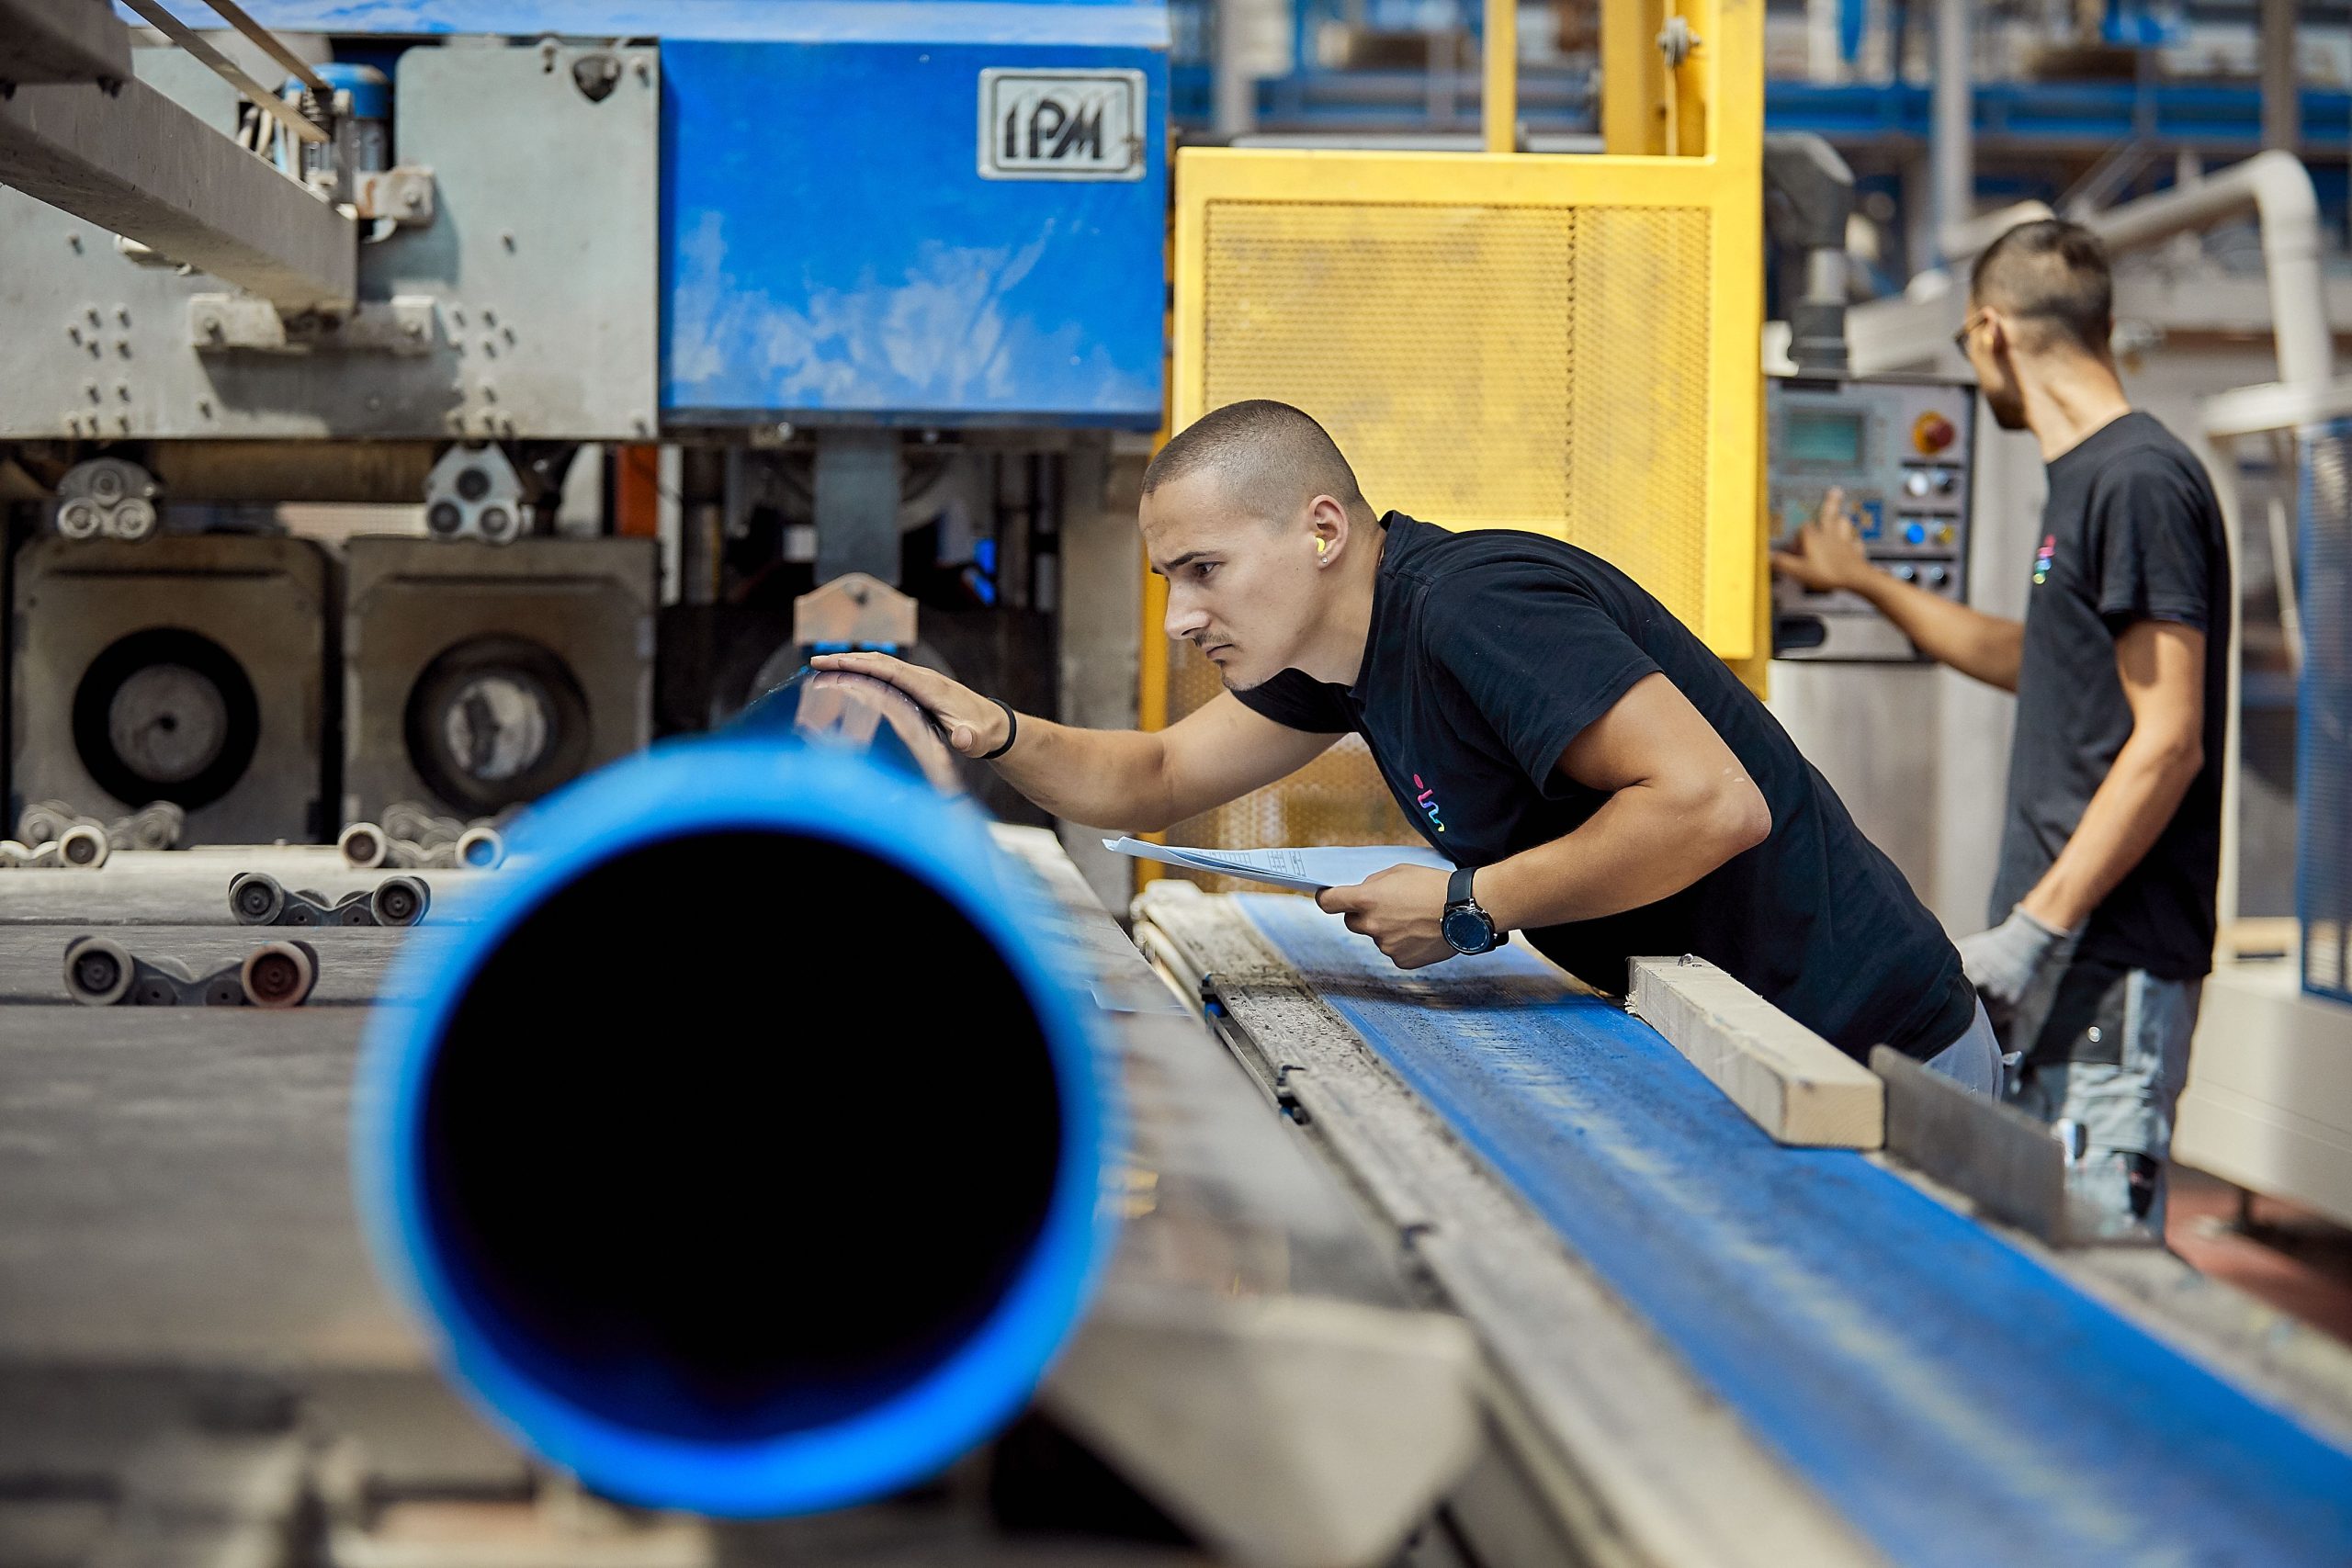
x,y
1011,730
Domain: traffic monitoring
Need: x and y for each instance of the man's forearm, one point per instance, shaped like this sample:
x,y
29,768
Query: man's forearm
x,y
1103,778
2126,815
1989,648
1638,847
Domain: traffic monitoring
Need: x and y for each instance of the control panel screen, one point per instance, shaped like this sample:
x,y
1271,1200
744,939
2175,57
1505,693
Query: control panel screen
x,y
1813,437
1896,451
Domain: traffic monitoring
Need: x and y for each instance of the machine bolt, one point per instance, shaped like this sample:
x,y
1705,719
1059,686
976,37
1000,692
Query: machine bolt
x,y
92,312
123,314
73,241
204,407
412,199
413,331
92,388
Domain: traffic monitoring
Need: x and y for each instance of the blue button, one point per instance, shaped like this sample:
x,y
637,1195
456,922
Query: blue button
x,y
1873,518
1916,533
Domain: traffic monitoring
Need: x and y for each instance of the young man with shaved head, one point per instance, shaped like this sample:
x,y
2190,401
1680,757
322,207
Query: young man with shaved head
x,y
2102,919
1601,780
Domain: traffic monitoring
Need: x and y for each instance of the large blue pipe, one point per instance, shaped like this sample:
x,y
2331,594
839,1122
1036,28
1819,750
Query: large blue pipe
x,y
748,1152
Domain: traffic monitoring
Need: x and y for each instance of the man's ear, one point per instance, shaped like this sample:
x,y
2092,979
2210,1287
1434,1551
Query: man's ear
x,y
1327,522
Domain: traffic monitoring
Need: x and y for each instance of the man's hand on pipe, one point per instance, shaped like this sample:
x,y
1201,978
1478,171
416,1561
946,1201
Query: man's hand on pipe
x,y
1402,909
969,722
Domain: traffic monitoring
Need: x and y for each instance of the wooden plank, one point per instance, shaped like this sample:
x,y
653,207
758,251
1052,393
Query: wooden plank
x,y
1796,1086
1995,1156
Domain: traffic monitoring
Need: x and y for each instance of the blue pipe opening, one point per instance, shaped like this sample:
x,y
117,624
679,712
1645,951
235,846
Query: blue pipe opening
x,y
745,1154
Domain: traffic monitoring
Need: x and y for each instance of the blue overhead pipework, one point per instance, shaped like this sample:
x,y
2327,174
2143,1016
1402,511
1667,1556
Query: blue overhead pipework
x,y
745,1153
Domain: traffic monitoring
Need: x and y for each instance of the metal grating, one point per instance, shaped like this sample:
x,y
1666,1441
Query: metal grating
x,y
1532,366
2324,727
1540,367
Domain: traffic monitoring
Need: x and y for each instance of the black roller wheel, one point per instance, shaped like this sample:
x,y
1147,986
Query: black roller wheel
x,y
256,899
401,901
98,971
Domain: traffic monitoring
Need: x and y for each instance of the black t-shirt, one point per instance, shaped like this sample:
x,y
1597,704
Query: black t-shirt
x,y
2131,533
1491,649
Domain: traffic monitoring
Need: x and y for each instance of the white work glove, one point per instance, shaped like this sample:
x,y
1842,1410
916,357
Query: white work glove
x,y
2019,958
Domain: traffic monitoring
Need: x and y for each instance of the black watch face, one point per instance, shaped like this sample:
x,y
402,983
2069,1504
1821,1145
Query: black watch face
x,y
1468,930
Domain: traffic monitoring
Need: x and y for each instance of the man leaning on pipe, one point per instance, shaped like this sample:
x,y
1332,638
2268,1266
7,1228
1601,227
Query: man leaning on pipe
x,y
2103,904
1600,779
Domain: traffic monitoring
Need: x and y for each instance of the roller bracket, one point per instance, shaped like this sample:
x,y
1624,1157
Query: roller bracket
x,y
100,972
402,194
256,898
241,323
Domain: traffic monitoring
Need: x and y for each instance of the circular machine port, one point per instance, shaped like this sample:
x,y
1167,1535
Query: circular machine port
x,y
495,721
166,714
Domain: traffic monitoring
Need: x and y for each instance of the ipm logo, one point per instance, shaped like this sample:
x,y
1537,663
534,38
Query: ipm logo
x,y
1427,800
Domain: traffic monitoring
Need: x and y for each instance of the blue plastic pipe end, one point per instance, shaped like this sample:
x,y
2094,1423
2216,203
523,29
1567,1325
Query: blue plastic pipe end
x,y
906,1433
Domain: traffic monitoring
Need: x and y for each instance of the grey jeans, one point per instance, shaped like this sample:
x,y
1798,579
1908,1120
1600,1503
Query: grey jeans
x,y
2123,1109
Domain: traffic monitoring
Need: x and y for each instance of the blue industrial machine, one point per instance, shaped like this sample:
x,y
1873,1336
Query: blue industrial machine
x,y
868,273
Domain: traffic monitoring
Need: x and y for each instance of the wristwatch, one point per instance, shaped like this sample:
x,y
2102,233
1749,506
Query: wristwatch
x,y
1468,928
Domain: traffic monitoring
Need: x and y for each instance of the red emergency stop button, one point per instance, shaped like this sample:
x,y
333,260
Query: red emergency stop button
x,y
1931,432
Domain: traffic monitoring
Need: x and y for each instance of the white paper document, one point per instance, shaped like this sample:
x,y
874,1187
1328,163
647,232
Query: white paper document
x,y
1303,870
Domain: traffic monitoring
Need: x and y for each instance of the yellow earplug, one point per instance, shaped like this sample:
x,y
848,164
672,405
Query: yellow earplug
x,y
1322,546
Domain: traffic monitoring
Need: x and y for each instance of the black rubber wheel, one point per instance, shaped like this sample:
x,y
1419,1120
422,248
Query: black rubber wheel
x,y
98,971
256,899
400,901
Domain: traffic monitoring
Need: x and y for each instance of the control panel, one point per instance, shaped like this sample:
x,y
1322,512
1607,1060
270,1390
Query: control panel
x,y
1899,448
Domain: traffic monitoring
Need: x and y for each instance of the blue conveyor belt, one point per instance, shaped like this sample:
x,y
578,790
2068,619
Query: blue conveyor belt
x,y
1951,1397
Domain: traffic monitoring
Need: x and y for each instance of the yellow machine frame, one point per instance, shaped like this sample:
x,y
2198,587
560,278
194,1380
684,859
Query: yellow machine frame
x,y
1530,280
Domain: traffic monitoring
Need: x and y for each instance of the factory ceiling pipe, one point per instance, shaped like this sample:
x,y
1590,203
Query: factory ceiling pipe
x,y
746,1153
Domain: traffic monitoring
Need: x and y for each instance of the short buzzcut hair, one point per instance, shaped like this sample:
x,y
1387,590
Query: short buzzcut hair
x,y
1270,458
2051,275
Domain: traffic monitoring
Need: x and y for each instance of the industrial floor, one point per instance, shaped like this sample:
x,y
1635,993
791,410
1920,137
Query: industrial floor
x,y
2292,1258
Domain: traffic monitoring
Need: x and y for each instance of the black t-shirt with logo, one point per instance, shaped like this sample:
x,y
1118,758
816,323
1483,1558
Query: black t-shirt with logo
x,y
2131,533
1491,649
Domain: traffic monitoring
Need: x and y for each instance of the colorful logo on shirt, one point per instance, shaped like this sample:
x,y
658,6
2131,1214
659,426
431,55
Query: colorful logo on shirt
x,y
2043,558
1427,800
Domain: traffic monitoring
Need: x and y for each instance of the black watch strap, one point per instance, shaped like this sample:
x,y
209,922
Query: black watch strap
x,y
1457,887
